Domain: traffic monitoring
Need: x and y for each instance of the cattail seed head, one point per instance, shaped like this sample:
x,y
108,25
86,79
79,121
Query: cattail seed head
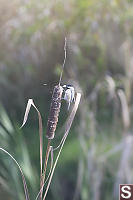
x,y
54,111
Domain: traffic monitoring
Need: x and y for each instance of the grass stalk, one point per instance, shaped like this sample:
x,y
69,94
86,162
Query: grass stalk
x,y
67,129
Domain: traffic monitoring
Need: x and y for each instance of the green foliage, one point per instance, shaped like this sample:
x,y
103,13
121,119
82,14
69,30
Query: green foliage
x,y
100,44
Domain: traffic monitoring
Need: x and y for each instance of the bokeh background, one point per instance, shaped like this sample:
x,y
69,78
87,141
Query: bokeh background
x,y
98,153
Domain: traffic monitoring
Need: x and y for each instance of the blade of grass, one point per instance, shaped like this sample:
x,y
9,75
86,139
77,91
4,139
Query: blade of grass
x,y
67,129
29,104
23,178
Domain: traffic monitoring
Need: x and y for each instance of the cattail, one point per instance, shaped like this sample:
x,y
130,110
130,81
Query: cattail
x,y
54,111
55,104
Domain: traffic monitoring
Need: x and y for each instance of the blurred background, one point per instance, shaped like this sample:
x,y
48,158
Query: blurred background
x,y
98,153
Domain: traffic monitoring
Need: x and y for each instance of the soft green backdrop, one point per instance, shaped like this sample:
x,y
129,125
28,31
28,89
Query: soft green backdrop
x,y
98,154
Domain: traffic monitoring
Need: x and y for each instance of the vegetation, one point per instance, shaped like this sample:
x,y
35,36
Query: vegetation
x,y
98,153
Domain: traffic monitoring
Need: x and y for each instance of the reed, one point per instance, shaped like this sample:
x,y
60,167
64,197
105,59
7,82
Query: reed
x,y
50,133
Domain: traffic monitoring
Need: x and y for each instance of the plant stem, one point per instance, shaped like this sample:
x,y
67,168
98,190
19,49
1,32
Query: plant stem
x,y
45,166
